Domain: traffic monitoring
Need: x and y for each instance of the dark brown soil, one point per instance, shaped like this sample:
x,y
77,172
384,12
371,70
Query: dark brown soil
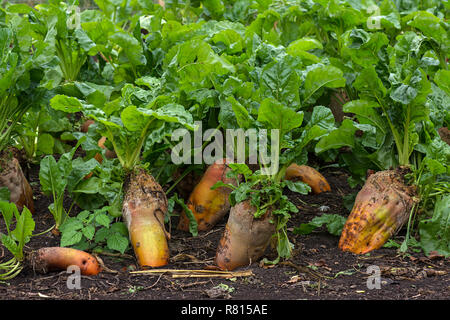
x,y
445,134
318,270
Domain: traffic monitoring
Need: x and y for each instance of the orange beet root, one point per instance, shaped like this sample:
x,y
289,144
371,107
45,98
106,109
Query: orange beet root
x,y
308,175
209,206
57,258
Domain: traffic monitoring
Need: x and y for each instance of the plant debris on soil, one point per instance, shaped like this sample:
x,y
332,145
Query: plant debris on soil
x,y
318,270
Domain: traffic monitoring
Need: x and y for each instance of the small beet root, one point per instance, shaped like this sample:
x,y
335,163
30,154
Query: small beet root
x,y
308,175
49,259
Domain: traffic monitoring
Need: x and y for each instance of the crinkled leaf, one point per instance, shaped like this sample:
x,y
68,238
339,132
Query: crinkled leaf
x,y
70,238
193,62
431,26
280,81
117,242
72,224
103,220
363,47
438,103
88,231
120,228
85,42
415,90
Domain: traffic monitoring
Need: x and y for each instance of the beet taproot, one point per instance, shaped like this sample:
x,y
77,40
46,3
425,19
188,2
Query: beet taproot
x,y
380,210
308,175
12,177
209,206
49,259
245,237
144,207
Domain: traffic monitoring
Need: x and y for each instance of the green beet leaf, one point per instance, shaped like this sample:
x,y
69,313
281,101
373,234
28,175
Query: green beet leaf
x,y
435,232
319,78
334,223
